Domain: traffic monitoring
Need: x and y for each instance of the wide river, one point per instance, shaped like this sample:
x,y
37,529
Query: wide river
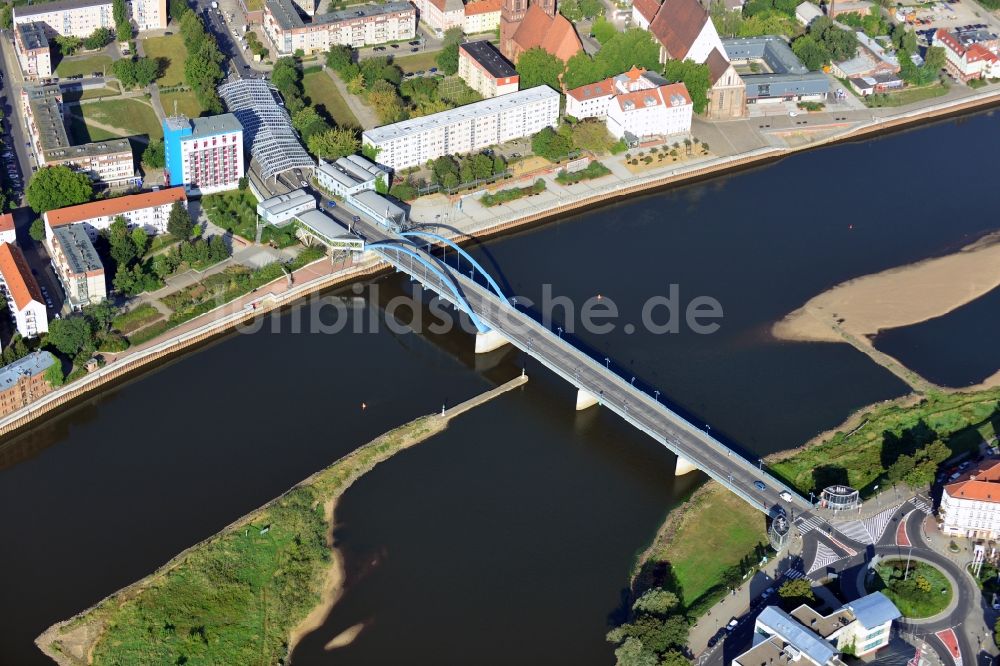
x,y
507,539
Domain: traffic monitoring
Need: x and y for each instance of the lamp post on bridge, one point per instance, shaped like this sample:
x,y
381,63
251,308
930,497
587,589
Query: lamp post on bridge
x,y
633,381
656,395
607,362
760,464
559,329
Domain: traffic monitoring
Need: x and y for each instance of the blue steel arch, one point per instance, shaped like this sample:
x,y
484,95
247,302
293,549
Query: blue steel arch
x,y
450,243
447,279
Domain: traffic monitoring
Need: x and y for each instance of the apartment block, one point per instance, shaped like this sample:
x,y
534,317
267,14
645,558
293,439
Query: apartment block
x,y
968,508
465,129
358,26
485,69
24,298
481,16
109,162
32,49
80,18
149,210
77,265
204,155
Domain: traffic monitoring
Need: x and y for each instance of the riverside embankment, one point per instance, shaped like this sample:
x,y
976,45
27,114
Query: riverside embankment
x,y
254,589
475,227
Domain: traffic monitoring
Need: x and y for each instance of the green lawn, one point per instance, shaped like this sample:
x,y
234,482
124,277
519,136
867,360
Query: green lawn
x,y
84,65
187,104
80,132
320,89
960,420
716,532
921,592
130,115
110,90
907,96
171,49
136,318
415,62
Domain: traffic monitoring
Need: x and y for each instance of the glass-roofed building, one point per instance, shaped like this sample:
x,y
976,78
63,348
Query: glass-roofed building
x,y
267,127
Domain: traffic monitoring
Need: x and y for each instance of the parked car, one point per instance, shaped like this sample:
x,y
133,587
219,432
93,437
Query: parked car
x,y
432,70
415,42
414,49
395,46
732,624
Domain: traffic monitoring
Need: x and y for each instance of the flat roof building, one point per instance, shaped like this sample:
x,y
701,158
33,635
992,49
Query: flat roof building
x,y
283,208
32,49
485,69
149,210
348,175
77,265
109,162
465,129
358,26
379,208
204,155
787,80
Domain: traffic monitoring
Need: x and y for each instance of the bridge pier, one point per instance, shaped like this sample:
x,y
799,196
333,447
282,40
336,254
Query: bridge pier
x,y
684,466
584,399
488,341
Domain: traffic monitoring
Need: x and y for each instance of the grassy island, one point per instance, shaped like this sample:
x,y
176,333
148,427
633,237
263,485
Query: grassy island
x,y
919,591
237,597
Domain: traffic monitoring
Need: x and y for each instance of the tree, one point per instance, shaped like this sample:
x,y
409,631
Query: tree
x,y
674,658
538,67
603,30
452,36
140,240
68,45
37,230
179,224
100,38
154,157
632,653
799,589
334,143
620,53
308,122
6,16
550,144
592,136
696,78
54,374
447,59
57,187
339,57
286,76
380,185
812,54
123,249
70,334
656,601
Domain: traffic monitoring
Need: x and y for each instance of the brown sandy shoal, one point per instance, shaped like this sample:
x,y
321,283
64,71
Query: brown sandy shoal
x,y
896,297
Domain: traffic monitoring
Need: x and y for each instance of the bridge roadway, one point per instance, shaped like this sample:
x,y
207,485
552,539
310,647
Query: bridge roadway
x,y
632,404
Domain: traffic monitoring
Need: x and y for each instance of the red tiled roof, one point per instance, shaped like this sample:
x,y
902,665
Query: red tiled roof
x,y
592,90
646,8
949,41
115,206
979,52
982,484
20,282
482,7
677,25
717,65
660,96
554,34
6,222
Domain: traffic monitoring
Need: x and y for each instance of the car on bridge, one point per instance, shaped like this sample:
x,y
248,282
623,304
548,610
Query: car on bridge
x,y
785,495
759,485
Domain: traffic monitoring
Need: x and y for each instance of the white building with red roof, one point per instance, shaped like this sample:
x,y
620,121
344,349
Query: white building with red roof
x,y
634,105
24,298
967,62
149,210
970,506
7,234
481,16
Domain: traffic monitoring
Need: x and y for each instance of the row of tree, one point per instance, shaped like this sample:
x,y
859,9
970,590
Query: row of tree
x,y
825,42
203,61
137,72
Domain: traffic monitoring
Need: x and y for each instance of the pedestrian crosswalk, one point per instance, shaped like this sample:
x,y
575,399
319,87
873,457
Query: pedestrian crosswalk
x,y
825,556
855,530
794,573
922,504
806,526
869,530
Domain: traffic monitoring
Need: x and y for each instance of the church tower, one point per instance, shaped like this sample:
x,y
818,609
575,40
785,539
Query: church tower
x,y
547,6
511,14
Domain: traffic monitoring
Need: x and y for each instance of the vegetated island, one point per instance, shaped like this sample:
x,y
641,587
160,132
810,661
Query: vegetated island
x,y
710,542
247,594
858,309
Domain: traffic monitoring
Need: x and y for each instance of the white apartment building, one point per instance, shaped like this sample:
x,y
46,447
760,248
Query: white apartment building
x,y
440,15
32,49
634,105
808,638
149,210
485,69
968,61
77,265
80,18
109,162
481,16
349,175
968,506
7,233
465,129
24,298
356,27
205,155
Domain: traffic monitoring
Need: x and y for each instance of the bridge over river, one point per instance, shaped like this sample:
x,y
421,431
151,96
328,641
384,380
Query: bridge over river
x,y
500,321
